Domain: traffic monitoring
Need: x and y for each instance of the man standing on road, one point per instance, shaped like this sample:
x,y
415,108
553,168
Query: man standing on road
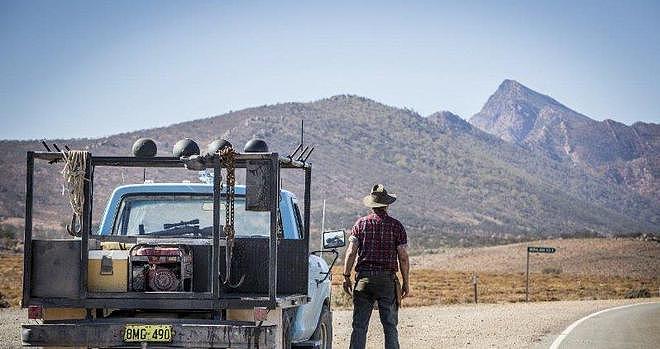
x,y
379,243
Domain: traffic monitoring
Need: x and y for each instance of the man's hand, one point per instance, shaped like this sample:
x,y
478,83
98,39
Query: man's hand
x,y
348,286
405,290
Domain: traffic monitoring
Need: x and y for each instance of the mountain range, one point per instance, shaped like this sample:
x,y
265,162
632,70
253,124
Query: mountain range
x,y
525,166
623,154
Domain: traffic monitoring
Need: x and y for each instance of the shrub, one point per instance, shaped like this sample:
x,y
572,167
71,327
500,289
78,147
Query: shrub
x,y
340,299
638,293
3,302
552,270
8,231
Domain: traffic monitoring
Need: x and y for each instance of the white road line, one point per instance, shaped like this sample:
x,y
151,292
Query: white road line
x,y
564,334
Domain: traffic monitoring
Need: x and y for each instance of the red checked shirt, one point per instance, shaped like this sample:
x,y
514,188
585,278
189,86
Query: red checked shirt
x,y
377,237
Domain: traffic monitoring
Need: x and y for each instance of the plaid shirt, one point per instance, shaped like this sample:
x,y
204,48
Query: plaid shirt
x,y
377,237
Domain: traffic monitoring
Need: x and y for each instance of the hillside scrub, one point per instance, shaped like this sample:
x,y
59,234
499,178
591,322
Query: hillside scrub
x,y
454,180
453,287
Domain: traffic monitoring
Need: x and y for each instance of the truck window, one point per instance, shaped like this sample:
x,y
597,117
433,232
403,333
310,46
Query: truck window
x,y
183,215
296,213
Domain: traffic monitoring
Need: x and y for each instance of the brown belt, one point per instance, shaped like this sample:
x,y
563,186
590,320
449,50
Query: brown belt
x,y
375,273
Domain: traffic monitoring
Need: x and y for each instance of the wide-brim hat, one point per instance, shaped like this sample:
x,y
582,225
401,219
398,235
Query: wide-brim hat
x,y
378,197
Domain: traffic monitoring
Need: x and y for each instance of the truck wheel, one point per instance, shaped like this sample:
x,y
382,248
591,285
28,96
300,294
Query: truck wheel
x,y
323,331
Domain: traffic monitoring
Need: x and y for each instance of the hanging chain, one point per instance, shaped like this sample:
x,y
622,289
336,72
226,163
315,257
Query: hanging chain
x,y
228,161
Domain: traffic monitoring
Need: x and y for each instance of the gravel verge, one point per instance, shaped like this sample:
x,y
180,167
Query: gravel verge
x,y
10,326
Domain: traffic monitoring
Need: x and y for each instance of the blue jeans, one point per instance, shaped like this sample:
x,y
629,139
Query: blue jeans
x,y
368,289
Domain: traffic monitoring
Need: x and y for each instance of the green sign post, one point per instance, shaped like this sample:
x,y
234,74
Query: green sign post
x,y
534,249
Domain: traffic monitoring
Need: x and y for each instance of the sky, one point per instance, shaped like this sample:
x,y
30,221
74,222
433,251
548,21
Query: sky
x,y
94,68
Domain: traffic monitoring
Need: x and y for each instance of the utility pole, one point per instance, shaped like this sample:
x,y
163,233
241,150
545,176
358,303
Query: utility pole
x,y
322,226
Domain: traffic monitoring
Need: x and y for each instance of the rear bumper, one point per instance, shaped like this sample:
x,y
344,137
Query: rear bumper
x,y
110,333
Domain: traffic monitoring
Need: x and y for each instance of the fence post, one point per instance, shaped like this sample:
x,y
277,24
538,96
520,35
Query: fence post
x,y
475,280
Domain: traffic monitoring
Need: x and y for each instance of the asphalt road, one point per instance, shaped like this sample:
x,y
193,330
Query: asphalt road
x,y
635,326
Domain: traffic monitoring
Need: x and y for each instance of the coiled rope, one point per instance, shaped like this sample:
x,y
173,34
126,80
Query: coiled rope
x,y
75,163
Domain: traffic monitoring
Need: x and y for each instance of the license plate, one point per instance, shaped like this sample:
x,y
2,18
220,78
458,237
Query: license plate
x,y
148,333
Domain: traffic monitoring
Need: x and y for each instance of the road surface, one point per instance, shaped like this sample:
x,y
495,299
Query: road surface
x,y
631,326
507,325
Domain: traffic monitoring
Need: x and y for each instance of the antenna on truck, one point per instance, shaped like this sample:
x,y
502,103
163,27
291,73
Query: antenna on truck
x,y
306,150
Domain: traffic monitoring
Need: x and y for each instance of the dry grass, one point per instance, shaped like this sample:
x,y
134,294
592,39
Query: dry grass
x,y
11,278
580,269
607,269
451,287
601,257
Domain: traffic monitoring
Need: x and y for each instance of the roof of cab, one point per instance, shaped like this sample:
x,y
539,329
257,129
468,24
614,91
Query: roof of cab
x,y
202,188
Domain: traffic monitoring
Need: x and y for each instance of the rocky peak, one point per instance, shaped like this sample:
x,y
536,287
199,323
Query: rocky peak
x,y
448,120
347,98
511,113
609,148
512,88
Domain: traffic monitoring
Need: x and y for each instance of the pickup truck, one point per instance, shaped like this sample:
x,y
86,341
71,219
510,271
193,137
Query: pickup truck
x,y
160,272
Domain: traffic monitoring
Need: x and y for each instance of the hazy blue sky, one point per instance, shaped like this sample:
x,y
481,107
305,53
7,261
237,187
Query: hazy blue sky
x,y
92,68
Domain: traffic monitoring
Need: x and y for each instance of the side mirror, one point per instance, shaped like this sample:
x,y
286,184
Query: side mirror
x,y
334,239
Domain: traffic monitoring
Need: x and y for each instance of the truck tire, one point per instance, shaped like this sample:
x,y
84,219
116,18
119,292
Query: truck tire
x,y
323,332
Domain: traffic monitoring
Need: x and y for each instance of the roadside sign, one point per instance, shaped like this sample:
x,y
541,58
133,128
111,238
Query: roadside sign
x,y
532,249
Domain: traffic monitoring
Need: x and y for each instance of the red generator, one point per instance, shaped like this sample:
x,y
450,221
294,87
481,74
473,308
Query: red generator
x,y
156,268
